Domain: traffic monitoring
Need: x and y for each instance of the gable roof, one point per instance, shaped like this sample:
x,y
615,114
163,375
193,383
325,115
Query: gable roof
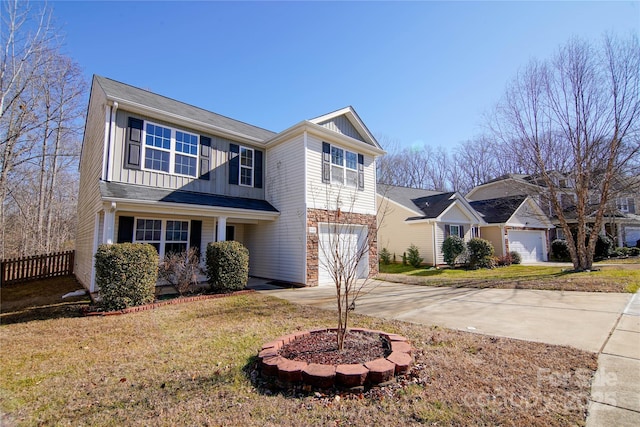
x,y
130,95
404,195
362,133
498,210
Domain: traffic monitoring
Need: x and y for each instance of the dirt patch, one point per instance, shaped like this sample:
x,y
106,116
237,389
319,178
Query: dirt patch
x,y
322,347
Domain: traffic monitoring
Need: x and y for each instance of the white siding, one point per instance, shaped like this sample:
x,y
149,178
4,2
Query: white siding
x,y
278,247
325,196
89,202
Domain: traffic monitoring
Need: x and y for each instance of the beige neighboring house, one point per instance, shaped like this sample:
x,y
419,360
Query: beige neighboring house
x,y
621,222
515,223
423,218
159,171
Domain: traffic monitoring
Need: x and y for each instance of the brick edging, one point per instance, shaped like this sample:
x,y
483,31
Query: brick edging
x,y
357,375
158,304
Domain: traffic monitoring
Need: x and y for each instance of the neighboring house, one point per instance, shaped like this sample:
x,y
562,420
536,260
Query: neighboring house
x,y
621,220
162,172
515,223
423,218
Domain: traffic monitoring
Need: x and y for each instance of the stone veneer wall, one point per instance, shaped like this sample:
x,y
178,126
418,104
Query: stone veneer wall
x,y
316,216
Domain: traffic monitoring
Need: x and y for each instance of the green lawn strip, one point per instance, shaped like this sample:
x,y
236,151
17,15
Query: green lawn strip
x,y
606,278
192,363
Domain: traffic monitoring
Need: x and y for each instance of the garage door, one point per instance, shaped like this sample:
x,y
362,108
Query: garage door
x,y
631,236
529,244
348,240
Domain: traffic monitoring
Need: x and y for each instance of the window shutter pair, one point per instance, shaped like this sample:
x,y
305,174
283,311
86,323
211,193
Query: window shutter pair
x,y
133,144
234,165
447,231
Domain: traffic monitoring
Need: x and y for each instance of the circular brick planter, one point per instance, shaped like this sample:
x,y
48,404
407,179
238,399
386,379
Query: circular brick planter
x,y
370,373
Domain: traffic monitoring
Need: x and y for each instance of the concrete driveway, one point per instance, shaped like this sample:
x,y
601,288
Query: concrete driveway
x,y
579,319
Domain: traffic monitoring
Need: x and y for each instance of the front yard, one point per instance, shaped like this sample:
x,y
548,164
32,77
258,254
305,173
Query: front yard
x,y
609,277
193,364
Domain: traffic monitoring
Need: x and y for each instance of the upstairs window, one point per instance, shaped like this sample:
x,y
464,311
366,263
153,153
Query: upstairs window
x,y
246,166
170,150
344,167
622,204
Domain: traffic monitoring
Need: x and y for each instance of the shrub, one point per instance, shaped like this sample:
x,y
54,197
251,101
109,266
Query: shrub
x,y
181,269
604,246
503,261
634,251
227,266
413,256
126,274
452,247
385,256
560,250
404,258
480,253
515,257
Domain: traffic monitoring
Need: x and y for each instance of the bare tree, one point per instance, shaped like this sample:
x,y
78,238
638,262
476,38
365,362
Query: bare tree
x,y
41,92
578,115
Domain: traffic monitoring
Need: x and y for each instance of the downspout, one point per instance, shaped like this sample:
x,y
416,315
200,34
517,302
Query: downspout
x,y
112,132
435,239
306,214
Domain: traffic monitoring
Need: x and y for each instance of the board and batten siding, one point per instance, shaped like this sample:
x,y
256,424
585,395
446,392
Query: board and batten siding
x,y
89,200
277,249
325,196
218,182
396,235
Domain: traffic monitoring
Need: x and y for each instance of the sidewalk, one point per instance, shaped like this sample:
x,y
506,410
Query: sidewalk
x,y
615,391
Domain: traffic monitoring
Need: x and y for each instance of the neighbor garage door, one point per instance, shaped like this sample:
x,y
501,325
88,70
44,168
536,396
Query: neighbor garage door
x,y
348,240
529,244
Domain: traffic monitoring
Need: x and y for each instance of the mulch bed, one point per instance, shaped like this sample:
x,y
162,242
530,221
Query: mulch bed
x,y
322,347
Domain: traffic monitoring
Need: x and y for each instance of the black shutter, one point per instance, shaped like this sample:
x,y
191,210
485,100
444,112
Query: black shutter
x,y
205,157
125,229
234,163
257,169
195,239
461,231
133,147
360,172
447,231
326,162
632,205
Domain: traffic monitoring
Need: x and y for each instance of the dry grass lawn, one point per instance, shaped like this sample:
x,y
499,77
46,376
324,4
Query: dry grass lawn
x,y
194,364
614,277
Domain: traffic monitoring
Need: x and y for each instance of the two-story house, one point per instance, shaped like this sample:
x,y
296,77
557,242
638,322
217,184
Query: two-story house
x,y
621,220
159,171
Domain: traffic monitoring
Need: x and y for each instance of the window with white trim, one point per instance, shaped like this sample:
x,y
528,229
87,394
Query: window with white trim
x,y
344,167
622,204
170,150
246,166
167,236
454,230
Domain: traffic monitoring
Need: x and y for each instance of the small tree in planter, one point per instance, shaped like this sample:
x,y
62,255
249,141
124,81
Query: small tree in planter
x,y
126,274
227,266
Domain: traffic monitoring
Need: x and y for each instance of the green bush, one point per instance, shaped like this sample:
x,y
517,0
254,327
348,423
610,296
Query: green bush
x,y
452,247
413,256
126,274
560,250
227,266
385,256
634,251
604,247
515,257
480,253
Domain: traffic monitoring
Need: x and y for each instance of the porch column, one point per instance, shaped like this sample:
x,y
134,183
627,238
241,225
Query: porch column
x,y
222,229
108,231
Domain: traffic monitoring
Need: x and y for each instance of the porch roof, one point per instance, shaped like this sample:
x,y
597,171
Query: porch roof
x,y
138,193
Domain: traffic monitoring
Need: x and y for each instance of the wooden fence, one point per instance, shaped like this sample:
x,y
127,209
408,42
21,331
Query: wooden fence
x,y
36,267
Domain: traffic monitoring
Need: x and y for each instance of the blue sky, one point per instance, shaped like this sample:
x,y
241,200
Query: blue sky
x,y
416,72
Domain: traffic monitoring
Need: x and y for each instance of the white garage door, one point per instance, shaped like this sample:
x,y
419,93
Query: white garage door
x,y
631,235
348,240
529,244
